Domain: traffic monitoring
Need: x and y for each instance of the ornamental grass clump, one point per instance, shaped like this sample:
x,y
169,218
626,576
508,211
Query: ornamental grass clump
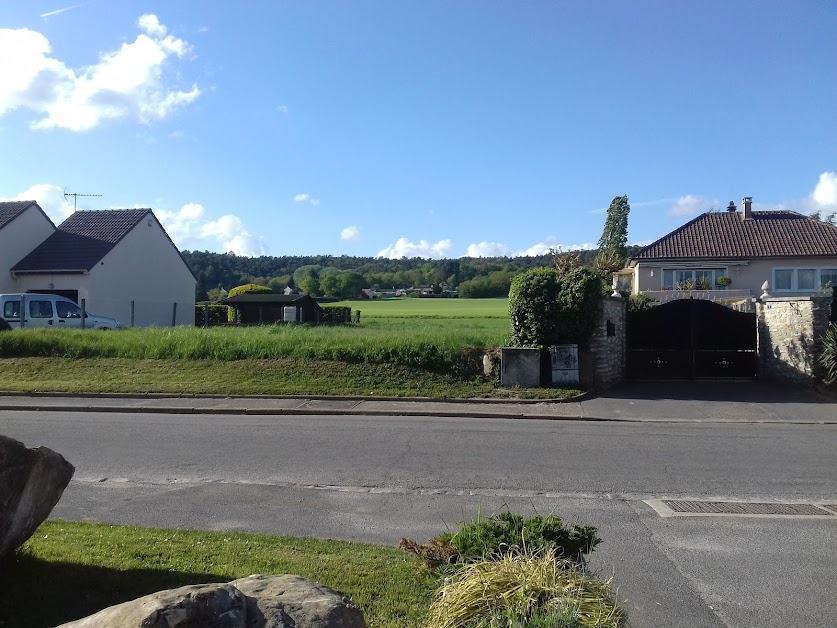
x,y
828,354
522,589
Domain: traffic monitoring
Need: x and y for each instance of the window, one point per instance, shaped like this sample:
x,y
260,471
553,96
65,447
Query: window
x,y
11,309
803,279
691,278
65,309
40,309
783,279
828,278
806,279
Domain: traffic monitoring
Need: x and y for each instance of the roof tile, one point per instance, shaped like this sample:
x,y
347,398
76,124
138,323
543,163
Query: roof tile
x,y
720,235
81,241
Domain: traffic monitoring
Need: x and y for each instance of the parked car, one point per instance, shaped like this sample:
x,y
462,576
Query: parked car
x,y
49,310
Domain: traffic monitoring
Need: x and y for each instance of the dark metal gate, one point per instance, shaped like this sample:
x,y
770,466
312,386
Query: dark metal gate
x,y
690,339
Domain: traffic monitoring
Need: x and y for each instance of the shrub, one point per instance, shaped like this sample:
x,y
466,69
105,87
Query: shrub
x,y
493,537
249,288
217,314
522,590
549,307
337,314
828,353
723,282
640,302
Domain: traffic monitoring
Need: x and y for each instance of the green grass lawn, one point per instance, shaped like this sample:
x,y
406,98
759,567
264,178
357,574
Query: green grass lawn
x,y
70,570
402,348
431,308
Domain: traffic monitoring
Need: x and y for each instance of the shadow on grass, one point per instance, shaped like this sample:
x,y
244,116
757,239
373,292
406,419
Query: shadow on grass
x,y
36,593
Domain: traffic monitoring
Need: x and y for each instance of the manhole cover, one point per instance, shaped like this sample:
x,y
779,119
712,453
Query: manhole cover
x,y
743,508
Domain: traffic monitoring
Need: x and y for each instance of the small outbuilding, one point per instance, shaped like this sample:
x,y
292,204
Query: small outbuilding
x,y
256,309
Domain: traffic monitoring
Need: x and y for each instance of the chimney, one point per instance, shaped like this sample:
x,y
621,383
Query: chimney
x,y
748,208
731,207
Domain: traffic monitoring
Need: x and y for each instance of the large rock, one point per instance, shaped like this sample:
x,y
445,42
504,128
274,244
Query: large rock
x,y
252,602
31,483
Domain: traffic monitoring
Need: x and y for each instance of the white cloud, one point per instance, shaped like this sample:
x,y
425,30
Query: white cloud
x,y
825,194
541,248
486,249
404,248
283,109
691,205
50,198
306,198
151,25
179,225
129,83
350,233
230,231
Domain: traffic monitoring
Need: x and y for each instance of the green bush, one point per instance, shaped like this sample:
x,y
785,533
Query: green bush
x,y
249,288
493,537
337,314
828,353
217,314
550,307
640,302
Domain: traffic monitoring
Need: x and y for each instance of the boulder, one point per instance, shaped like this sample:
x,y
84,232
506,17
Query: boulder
x,y
253,602
31,483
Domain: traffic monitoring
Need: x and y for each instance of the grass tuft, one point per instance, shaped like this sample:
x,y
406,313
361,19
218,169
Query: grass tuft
x,y
522,590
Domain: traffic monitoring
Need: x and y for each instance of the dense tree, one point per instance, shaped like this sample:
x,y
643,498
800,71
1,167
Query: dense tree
x,y
310,285
614,240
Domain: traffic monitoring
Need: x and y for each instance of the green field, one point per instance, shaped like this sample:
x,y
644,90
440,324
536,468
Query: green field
x,y
403,347
432,308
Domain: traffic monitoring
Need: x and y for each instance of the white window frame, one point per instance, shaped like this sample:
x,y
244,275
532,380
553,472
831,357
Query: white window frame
x,y
716,272
795,278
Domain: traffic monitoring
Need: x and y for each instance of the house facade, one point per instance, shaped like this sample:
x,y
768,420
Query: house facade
x,y
731,254
23,226
121,263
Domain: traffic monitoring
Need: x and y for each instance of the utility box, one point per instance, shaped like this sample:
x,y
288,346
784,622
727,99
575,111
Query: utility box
x,y
520,367
564,364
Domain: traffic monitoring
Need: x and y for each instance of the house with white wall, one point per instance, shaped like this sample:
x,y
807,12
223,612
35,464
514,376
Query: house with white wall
x,y
23,226
731,254
119,262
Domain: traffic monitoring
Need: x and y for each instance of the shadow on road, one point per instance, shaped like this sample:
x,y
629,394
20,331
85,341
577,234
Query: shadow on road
x,y
746,391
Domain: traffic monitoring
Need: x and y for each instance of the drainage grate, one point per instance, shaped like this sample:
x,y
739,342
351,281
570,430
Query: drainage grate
x,y
743,508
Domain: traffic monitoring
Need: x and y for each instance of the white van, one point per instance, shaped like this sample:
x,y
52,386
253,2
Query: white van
x,y
49,310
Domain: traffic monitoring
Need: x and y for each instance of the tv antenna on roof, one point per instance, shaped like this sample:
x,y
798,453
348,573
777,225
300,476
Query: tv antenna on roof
x,y
75,196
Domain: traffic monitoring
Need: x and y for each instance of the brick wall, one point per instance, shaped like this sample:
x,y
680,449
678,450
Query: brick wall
x,y
789,333
602,364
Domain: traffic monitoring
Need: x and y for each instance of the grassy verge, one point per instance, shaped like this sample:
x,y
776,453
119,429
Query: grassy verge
x,y
244,377
69,570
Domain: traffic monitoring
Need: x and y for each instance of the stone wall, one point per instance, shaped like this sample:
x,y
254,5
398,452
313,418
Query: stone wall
x,y
789,333
603,362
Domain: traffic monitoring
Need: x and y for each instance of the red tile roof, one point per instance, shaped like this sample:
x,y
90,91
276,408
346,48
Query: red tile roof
x,y
724,235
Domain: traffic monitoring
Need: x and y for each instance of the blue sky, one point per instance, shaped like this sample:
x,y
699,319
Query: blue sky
x,y
419,128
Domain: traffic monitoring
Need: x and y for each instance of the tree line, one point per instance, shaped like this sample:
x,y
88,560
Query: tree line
x,y
345,276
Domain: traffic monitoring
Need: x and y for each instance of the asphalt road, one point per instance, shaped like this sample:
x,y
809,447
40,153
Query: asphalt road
x,y
377,479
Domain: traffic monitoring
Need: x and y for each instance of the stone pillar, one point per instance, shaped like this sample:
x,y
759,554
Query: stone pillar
x,y
602,364
790,329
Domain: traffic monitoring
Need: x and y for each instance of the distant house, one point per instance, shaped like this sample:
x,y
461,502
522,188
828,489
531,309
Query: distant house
x,y
23,226
255,309
112,259
793,253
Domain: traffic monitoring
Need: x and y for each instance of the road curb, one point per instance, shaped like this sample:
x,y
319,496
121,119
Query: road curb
x,y
384,413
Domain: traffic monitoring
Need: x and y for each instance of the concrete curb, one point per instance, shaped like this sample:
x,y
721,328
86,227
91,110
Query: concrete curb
x,y
400,412
13,393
